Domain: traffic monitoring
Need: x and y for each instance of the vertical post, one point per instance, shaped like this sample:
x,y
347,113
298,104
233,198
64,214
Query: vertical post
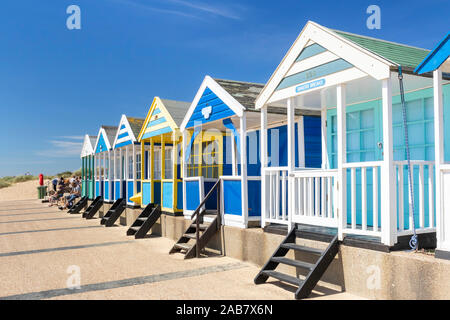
x,y
134,170
342,159
263,158
388,200
152,171
323,126
126,171
115,171
110,176
184,163
439,157
291,158
143,163
163,168
244,179
174,169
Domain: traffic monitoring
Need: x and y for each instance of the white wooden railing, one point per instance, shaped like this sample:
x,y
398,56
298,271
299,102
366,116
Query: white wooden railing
x,y
368,192
424,200
314,195
275,196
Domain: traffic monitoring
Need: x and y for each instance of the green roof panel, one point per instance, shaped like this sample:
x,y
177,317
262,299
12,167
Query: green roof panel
x,y
400,54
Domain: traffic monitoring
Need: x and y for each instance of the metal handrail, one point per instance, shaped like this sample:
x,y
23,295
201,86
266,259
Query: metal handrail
x,y
197,213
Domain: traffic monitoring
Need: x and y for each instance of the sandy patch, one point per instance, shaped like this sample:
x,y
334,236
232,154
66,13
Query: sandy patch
x,y
20,191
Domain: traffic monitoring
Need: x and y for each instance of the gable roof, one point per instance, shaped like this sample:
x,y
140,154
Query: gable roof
x,y
339,57
164,116
438,57
244,92
400,54
88,145
108,134
127,131
237,96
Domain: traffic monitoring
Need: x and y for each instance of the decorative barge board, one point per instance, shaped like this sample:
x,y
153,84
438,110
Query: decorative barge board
x,y
353,82
87,167
221,134
437,62
160,140
104,179
126,160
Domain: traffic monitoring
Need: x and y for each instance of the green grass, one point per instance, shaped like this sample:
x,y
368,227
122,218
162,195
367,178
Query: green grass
x,y
4,184
8,181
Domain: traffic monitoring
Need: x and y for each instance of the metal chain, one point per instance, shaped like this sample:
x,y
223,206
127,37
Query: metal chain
x,y
413,243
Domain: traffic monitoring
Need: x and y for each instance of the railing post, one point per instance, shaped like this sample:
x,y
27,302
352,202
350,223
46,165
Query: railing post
x,y
342,159
388,200
263,156
197,235
291,158
442,226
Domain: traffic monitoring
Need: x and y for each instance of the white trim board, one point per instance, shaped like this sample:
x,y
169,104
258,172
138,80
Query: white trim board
x,y
364,60
209,82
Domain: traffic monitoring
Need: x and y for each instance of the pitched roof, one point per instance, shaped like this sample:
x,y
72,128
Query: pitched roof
x,y
436,58
176,109
244,92
399,54
110,132
136,125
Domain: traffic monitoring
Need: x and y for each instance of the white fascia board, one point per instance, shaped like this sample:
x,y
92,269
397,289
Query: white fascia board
x,y
361,58
209,82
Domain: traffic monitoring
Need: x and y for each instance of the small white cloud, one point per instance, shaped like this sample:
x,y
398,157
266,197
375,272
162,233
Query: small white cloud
x,y
62,148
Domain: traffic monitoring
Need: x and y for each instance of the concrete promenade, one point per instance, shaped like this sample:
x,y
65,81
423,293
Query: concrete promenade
x,y
43,249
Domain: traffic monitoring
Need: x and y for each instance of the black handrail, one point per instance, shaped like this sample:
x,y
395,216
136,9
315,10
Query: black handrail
x,y
197,214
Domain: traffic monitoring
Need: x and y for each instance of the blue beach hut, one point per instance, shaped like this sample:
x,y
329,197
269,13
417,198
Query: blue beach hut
x,y
127,159
221,140
104,181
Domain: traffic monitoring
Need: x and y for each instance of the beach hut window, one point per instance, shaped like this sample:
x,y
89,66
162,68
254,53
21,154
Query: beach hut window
x,y
138,166
130,167
107,168
157,164
210,157
168,163
123,167
194,161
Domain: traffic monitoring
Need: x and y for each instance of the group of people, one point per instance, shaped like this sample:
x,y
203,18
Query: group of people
x,y
64,192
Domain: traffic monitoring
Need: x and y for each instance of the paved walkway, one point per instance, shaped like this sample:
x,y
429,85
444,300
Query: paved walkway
x,y
42,250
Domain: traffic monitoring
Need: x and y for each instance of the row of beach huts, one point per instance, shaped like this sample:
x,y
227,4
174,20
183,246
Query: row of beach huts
x,y
320,148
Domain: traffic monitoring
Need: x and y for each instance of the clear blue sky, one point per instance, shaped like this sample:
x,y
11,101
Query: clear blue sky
x,y
57,84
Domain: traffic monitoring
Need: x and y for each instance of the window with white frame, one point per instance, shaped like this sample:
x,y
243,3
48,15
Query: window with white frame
x,y
157,164
138,166
168,163
130,166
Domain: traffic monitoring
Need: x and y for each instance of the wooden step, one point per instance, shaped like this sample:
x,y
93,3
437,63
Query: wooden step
x,y
135,228
202,226
283,277
294,263
142,219
297,247
183,246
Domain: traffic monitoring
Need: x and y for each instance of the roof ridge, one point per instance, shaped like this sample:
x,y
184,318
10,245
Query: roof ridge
x,y
246,82
377,39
